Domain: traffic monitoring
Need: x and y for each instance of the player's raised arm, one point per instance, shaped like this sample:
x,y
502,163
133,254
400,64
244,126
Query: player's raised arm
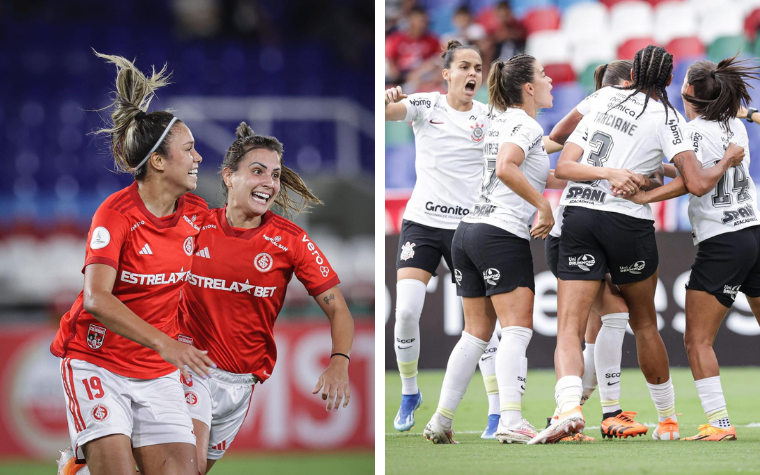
x,y
394,109
334,381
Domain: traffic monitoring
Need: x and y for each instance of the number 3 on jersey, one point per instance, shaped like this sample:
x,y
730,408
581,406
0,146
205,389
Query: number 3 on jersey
x,y
741,183
601,145
489,178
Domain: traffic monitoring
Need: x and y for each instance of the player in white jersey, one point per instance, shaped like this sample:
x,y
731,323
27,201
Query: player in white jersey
x,y
605,329
602,231
449,130
724,225
493,267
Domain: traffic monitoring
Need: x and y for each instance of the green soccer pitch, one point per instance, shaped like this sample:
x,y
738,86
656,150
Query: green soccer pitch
x,y
334,463
408,453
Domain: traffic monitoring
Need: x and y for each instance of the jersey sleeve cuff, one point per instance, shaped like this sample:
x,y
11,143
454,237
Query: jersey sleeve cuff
x,y
326,286
101,260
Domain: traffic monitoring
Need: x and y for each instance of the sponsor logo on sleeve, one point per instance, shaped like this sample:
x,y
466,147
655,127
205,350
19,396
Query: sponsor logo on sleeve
x,y
324,270
100,238
95,336
407,251
420,102
313,250
675,129
263,262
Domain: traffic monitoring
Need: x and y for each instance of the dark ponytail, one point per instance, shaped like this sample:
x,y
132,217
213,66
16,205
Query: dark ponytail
x,y
452,47
719,90
506,79
612,74
652,68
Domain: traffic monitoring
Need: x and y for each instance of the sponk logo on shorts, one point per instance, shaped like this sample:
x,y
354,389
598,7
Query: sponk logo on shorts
x,y
100,412
583,262
634,268
458,276
191,398
491,276
407,251
731,290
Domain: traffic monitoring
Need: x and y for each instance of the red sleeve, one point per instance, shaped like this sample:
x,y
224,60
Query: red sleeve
x,y
312,268
391,45
433,46
107,235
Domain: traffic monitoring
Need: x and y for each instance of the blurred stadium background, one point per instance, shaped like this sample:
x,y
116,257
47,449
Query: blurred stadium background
x,y
570,38
284,67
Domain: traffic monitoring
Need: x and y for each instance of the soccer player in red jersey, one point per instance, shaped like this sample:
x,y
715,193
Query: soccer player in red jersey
x,y
118,342
247,255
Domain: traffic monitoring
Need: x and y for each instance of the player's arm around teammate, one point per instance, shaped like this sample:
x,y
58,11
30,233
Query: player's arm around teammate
x,y
119,368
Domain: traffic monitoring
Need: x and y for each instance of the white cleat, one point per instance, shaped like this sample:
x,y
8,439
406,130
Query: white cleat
x,y
67,464
436,433
520,433
567,423
667,430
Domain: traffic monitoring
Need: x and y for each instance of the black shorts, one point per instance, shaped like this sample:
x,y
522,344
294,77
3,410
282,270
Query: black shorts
x,y
551,249
728,263
422,247
489,261
595,241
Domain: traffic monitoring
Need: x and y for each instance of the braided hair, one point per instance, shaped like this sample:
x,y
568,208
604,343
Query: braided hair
x,y
652,68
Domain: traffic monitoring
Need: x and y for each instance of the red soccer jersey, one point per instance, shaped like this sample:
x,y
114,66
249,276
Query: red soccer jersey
x,y
152,257
407,52
238,284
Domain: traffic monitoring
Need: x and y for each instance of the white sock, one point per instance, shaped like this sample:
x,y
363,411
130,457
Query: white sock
x,y
589,373
608,352
487,366
410,296
713,403
511,371
664,398
459,371
568,392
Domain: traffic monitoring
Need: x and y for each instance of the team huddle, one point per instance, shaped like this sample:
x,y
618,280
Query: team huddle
x,y
600,243
175,325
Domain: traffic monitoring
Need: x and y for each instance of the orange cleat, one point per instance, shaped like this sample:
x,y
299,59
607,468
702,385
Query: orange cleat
x,y
667,430
579,437
67,464
711,433
567,424
622,426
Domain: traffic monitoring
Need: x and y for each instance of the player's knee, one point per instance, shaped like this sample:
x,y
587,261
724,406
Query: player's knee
x,y
406,313
615,320
693,342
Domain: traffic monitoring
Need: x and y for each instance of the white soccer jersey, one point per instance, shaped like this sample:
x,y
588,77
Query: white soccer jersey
x,y
732,204
497,204
615,138
449,151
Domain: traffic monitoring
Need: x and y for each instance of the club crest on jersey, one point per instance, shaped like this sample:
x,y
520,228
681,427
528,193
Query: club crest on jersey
x,y
458,276
100,238
407,251
100,412
187,246
584,262
191,398
263,262
95,336
477,132
491,276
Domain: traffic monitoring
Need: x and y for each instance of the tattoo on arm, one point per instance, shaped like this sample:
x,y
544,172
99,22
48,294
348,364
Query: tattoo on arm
x,y
327,299
678,162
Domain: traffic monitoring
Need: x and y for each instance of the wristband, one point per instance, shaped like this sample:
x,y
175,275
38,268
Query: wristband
x,y
750,111
341,354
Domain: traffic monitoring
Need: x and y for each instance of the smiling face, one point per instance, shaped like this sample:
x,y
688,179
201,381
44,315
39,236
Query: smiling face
x,y
465,75
252,188
541,86
181,165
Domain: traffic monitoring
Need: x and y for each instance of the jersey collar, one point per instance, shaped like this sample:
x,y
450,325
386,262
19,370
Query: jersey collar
x,y
239,232
165,222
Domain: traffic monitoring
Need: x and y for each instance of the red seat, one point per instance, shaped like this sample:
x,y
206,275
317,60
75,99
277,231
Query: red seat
x,y
628,49
610,3
654,3
751,23
560,72
685,47
539,19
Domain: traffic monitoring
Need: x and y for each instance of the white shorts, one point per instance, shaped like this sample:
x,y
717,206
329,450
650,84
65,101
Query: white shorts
x,y
101,403
221,402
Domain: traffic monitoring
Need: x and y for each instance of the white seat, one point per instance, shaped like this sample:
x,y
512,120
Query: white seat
x,y
674,20
746,6
591,50
549,47
631,20
703,6
584,20
720,21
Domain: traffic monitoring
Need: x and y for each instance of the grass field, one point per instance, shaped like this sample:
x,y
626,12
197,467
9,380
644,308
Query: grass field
x,y
408,453
345,463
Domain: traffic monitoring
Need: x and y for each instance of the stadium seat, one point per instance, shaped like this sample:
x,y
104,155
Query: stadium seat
x,y
682,48
591,51
720,21
612,3
586,78
398,133
725,47
628,49
746,6
520,8
655,3
560,72
631,20
674,20
539,19
751,24
585,20
564,5
548,47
